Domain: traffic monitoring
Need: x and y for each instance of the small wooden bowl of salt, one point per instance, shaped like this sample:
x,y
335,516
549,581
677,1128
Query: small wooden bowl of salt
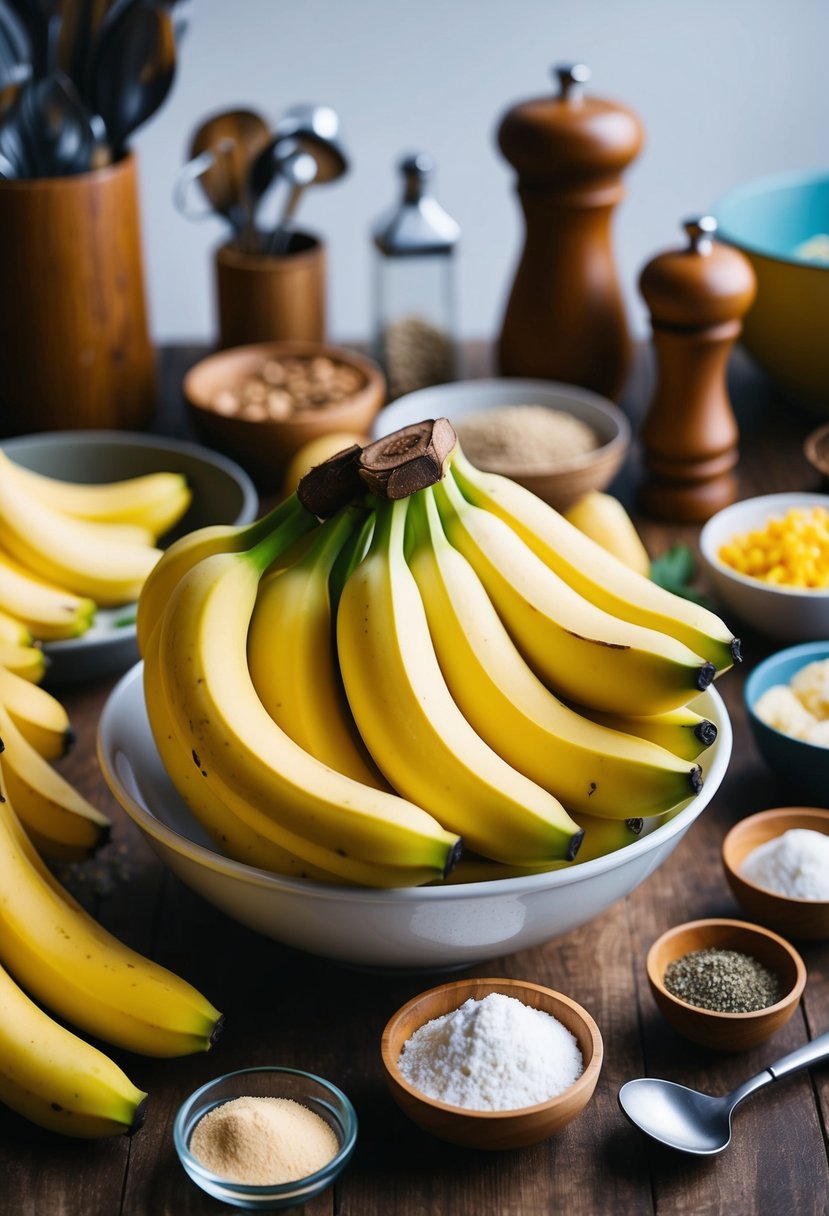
x,y
492,1063
777,865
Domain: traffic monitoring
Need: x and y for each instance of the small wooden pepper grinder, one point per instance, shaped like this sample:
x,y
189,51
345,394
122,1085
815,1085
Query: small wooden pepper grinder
x,y
697,298
565,319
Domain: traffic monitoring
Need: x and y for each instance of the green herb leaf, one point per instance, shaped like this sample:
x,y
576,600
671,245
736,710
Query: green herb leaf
x,y
674,570
123,621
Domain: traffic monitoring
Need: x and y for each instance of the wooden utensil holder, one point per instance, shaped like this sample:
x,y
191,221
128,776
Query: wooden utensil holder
x,y
75,350
271,298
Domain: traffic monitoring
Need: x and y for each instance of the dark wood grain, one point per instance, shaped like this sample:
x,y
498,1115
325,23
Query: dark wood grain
x,y
280,1008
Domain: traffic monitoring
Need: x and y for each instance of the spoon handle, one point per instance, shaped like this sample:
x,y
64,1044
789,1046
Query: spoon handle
x,y
802,1057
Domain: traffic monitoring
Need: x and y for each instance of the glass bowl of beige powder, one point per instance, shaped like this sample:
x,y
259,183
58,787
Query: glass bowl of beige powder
x,y
265,1139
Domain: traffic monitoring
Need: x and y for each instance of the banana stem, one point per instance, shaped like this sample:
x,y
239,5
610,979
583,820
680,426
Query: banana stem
x,y
293,523
260,529
349,558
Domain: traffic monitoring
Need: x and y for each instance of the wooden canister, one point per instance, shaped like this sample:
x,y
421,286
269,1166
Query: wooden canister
x,y
75,350
271,298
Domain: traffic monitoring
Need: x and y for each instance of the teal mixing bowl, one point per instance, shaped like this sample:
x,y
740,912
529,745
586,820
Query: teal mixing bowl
x,y
785,330
804,767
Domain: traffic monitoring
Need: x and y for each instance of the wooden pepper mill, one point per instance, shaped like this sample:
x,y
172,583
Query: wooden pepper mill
x,y
697,297
565,319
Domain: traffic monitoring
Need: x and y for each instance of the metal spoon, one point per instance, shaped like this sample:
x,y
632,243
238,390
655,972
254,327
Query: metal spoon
x,y
56,127
317,131
133,69
697,1123
221,152
298,169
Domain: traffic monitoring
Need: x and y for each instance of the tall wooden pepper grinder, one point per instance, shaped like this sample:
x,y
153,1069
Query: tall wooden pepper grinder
x,y
565,319
697,296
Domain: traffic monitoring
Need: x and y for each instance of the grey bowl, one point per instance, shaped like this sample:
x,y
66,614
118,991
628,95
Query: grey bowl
x,y
222,494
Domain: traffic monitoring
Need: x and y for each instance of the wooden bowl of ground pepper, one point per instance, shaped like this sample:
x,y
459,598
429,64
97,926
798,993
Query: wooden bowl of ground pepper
x,y
725,984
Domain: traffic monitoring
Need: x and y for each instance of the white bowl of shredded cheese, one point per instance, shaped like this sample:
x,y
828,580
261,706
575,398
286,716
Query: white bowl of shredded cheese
x,y
557,440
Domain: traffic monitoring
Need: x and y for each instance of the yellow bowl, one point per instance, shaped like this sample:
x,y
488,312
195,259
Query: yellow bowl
x,y
785,330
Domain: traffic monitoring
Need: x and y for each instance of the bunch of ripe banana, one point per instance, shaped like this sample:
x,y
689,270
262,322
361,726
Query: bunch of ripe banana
x,y
349,688
63,958
64,549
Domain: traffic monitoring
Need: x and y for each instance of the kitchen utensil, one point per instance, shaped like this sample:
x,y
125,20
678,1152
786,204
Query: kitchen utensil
x,y
697,296
506,1129
263,171
12,145
14,49
56,127
298,170
12,86
220,156
317,131
797,918
134,64
693,1122
42,20
565,318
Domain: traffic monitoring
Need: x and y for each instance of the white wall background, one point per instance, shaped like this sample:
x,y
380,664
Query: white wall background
x,y
727,89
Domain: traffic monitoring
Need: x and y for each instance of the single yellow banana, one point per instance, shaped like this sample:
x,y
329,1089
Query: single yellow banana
x,y
277,788
14,630
48,612
81,556
27,662
154,501
604,519
418,737
67,960
59,820
57,1080
601,836
184,553
682,731
591,769
292,656
582,652
230,833
39,716
592,571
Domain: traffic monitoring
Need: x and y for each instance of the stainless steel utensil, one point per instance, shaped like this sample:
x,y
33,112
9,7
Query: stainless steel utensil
x,y
134,65
221,152
698,1123
298,170
55,127
317,131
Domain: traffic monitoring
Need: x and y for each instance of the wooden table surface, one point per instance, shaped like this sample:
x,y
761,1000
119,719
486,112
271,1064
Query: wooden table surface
x,y
283,1006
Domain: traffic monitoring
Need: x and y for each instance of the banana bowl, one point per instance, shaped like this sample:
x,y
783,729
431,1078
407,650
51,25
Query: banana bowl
x,y
222,493
412,928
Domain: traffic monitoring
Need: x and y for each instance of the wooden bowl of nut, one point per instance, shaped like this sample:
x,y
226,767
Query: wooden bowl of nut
x,y
723,983
261,403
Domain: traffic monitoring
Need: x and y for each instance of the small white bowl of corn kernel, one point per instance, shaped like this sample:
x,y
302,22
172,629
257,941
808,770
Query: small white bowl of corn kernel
x,y
767,561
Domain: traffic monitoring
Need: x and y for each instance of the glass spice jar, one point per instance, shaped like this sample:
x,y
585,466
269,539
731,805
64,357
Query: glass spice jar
x,y
414,288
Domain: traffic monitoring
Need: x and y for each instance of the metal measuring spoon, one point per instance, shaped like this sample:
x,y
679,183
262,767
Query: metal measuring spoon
x,y
698,1123
317,132
221,152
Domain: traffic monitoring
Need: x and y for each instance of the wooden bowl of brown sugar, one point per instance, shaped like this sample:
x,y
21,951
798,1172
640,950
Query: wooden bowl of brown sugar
x,y
557,440
261,403
730,966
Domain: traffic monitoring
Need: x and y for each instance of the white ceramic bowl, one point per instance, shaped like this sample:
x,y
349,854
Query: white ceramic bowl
x,y
560,485
780,612
222,494
419,927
